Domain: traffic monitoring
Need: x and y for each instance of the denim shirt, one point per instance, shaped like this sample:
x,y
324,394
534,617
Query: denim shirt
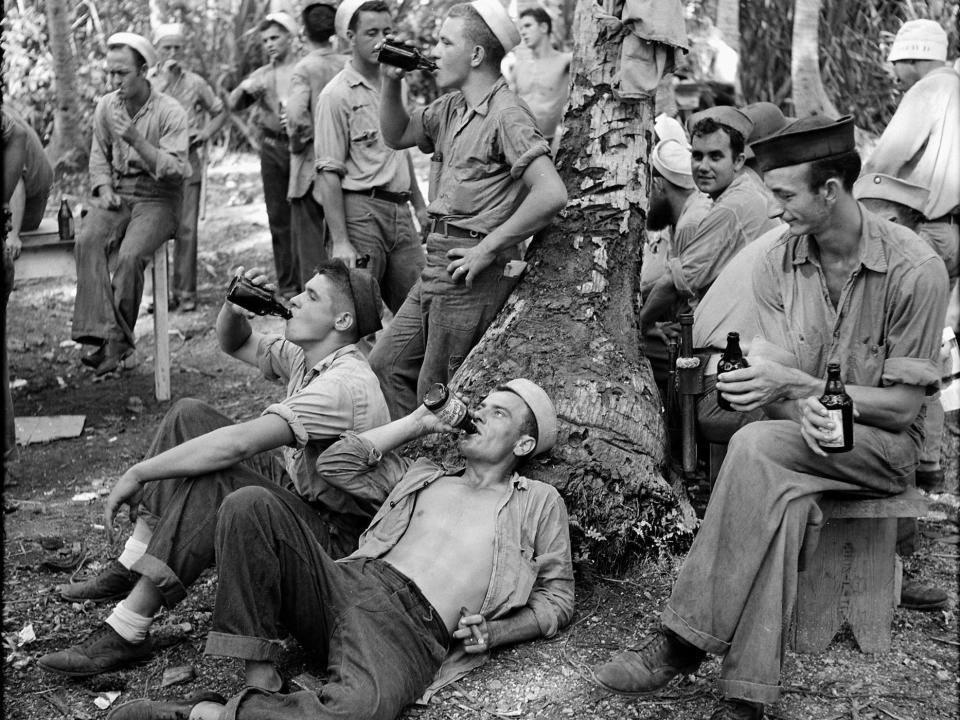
x,y
338,394
532,568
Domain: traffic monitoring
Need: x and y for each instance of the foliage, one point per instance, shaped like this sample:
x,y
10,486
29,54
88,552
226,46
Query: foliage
x,y
854,43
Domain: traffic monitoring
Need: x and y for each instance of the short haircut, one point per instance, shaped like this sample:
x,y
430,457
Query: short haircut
x,y
318,23
371,6
540,16
477,32
908,216
528,423
138,60
845,167
338,274
708,126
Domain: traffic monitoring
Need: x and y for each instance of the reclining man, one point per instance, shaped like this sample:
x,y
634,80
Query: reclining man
x,y
387,621
199,456
842,285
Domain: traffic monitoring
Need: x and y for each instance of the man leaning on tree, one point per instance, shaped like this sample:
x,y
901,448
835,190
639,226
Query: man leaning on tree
x,y
841,285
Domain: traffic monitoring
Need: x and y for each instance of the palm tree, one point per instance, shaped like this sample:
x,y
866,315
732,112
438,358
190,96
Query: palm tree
x,y
67,149
809,96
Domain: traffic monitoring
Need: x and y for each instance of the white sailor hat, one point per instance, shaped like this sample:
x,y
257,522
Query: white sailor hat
x,y
284,20
344,14
168,30
920,40
135,42
542,408
499,22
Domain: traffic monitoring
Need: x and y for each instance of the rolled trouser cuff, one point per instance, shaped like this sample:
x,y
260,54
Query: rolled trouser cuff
x,y
751,692
164,579
245,647
673,622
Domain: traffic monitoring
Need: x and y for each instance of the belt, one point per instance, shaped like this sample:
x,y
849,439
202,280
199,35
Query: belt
x,y
442,227
948,219
400,198
280,136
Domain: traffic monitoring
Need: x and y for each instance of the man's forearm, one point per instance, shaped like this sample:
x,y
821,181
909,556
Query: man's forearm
x,y
393,115
233,331
536,211
394,434
331,193
517,627
213,127
658,303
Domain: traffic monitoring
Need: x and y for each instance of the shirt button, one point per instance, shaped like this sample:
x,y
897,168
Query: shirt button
x,y
393,503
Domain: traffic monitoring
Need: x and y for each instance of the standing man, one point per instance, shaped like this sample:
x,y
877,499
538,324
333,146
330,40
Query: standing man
x,y
541,76
739,213
310,75
138,162
199,456
388,621
366,188
492,186
922,142
269,87
27,177
205,116
842,285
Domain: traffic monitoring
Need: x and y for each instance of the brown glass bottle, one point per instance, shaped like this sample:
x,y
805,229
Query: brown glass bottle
x,y
840,407
65,221
731,359
404,56
448,408
256,299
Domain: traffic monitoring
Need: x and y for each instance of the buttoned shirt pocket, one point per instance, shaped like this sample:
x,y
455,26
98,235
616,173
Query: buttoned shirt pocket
x,y
866,363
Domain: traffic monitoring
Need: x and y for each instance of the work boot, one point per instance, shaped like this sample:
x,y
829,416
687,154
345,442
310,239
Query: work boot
x,y
116,352
103,650
164,709
113,583
730,709
649,666
914,595
95,356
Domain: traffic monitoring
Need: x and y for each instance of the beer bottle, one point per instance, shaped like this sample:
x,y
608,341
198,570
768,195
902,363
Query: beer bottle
x,y
731,359
256,299
404,56
840,408
65,222
448,408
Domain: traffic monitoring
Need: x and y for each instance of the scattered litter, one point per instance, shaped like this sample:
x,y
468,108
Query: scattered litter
x,y
96,526
113,439
85,496
70,344
106,699
178,674
65,558
17,383
308,682
26,635
43,428
48,356
61,382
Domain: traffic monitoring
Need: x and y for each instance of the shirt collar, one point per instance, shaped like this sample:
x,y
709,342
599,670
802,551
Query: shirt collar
x,y
873,256
326,362
354,78
739,179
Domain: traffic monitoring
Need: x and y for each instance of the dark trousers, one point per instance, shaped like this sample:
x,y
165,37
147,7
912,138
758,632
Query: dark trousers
x,y
123,241
308,234
275,173
381,640
183,511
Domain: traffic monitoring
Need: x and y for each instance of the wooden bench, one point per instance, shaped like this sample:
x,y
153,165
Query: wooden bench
x,y
853,577
45,255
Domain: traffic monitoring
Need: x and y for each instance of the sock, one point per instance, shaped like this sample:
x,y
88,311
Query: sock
x,y
129,625
133,550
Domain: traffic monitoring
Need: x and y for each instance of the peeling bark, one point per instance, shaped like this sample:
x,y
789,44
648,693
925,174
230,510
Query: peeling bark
x,y
67,149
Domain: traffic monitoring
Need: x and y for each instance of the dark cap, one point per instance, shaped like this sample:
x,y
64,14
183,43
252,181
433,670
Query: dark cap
x,y
767,119
816,137
366,301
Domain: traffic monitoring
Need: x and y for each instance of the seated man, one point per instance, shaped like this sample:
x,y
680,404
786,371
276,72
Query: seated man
x,y
27,176
455,562
138,161
199,456
842,285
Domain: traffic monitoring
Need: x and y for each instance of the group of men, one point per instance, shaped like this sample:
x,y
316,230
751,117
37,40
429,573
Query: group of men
x,y
400,574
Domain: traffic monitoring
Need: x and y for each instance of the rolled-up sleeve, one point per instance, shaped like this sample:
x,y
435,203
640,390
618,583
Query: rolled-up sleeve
x,y
331,133
714,243
299,117
915,326
173,143
520,140
322,409
425,123
552,598
100,149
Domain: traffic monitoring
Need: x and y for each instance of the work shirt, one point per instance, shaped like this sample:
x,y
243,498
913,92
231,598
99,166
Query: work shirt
x,y
310,75
922,142
532,567
338,394
161,121
887,325
738,216
478,155
264,82
347,139
37,172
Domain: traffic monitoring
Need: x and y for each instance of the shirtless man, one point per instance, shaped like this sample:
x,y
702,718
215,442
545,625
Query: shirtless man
x,y
388,619
541,75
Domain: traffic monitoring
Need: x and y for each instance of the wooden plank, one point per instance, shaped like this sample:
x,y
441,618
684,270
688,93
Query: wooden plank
x,y
161,335
43,262
910,503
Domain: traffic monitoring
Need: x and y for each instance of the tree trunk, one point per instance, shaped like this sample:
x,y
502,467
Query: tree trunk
x,y
68,150
809,96
571,324
728,22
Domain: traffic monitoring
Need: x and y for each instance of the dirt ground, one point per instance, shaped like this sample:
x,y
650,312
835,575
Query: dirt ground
x,y
916,680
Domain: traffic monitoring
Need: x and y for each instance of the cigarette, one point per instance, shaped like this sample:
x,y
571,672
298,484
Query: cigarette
x,y
474,630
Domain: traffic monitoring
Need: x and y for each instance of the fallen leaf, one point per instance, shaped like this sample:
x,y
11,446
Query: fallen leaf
x,y
178,674
106,699
26,635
